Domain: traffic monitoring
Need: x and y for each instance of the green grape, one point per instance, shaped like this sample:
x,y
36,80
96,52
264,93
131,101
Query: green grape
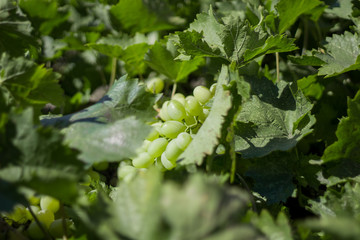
x,y
46,217
213,89
159,165
176,110
34,231
143,147
34,200
163,112
49,203
155,85
172,151
179,97
202,94
35,209
126,172
101,166
154,134
183,140
190,120
171,129
166,163
204,114
157,147
192,106
143,160
56,228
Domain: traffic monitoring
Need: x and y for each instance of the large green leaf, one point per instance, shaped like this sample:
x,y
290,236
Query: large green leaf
x,y
207,138
28,83
342,54
39,160
342,9
162,60
290,10
275,118
232,39
144,16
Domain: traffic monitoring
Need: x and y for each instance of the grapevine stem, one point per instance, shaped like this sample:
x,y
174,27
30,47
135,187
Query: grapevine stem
x,y
254,208
113,72
47,235
277,67
173,90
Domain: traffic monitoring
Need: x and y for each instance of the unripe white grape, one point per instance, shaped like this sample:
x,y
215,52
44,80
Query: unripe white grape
x,y
166,163
56,228
179,97
154,134
172,151
171,129
46,217
157,147
126,172
183,140
202,94
49,203
176,110
213,89
204,114
19,214
192,106
163,112
34,231
155,85
143,147
143,160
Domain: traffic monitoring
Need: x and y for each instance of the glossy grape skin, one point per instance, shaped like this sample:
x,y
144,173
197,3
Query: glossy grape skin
x,y
157,147
49,203
166,163
202,94
143,160
155,85
179,97
163,112
213,89
34,231
101,166
204,114
176,110
171,129
154,134
56,228
192,106
126,173
46,217
183,140
172,151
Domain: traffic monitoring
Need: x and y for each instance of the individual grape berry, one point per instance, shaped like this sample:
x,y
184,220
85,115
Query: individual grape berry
x,y
213,89
172,151
166,163
163,112
126,172
183,140
179,97
49,203
202,94
101,166
176,110
157,147
143,147
192,106
34,200
171,129
155,85
143,160
34,231
154,134
46,217
204,114
190,120
56,228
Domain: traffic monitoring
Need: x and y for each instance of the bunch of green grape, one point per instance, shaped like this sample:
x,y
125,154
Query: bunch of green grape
x,y
180,119
45,209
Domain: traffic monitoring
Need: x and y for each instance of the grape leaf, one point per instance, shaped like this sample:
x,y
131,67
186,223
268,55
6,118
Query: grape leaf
x,y
233,40
207,138
15,31
289,11
11,196
125,98
341,8
39,160
162,60
274,229
144,16
339,213
29,84
195,210
342,54
311,87
345,152
273,176
275,118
